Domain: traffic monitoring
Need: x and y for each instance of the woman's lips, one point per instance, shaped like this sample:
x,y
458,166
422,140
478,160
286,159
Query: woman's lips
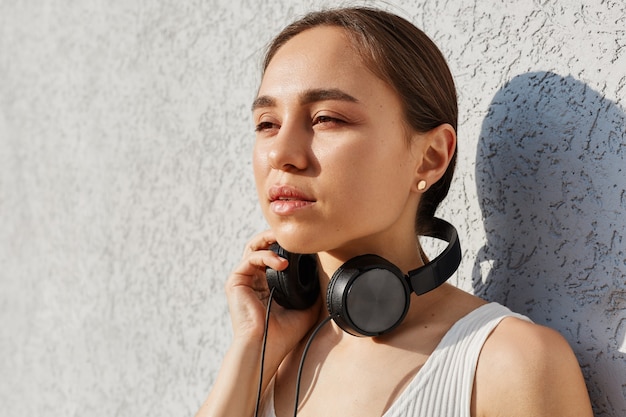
x,y
285,199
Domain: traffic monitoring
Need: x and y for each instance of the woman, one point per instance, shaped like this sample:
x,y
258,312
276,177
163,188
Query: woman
x,y
356,142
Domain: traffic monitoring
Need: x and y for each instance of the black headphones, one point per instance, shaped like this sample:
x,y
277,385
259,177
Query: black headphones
x,y
367,295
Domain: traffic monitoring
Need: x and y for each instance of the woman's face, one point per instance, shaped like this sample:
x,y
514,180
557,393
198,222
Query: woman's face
x,y
332,166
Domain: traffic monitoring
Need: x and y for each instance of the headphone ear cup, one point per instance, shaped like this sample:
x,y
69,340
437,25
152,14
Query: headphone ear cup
x,y
297,287
368,296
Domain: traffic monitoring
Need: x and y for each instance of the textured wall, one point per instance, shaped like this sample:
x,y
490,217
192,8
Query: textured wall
x,y
126,191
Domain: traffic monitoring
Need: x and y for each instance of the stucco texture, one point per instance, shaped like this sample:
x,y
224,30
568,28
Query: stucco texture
x,y
126,191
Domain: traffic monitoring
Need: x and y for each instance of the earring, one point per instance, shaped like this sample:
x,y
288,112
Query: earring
x,y
421,185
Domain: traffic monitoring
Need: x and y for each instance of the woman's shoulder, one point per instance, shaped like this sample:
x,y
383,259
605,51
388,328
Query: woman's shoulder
x,y
528,369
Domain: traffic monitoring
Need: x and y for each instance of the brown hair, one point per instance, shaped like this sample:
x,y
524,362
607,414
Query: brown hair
x,y
405,57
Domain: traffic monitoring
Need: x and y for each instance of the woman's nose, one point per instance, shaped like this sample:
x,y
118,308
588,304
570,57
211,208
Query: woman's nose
x,y
289,149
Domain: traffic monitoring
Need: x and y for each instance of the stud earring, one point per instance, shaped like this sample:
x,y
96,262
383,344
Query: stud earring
x,y
421,185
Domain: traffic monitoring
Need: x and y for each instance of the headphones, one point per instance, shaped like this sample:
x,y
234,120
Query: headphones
x,y
367,295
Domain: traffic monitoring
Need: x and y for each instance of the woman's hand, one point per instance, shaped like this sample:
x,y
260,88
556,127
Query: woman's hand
x,y
235,389
248,294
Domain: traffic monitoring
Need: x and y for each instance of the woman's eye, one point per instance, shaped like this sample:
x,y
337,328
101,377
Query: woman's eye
x,y
326,120
264,126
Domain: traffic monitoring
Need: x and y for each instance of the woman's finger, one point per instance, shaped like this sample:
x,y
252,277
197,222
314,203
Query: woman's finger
x,y
260,241
258,261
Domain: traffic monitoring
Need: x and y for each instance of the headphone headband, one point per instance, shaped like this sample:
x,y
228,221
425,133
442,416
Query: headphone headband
x,y
428,277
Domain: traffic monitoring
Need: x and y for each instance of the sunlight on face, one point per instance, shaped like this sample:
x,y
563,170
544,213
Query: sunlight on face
x,y
331,162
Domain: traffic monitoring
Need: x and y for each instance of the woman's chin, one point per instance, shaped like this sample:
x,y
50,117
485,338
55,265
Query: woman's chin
x,y
295,241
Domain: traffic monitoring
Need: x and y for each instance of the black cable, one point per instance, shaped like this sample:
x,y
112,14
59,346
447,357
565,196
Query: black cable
x,y
267,321
300,367
306,349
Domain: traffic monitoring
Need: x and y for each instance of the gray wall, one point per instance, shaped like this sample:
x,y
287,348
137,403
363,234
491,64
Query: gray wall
x,y
126,192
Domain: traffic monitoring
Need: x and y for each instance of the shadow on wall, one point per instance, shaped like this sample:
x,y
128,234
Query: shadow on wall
x,y
551,182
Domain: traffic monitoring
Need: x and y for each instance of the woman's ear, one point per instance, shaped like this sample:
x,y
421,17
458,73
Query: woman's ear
x,y
437,148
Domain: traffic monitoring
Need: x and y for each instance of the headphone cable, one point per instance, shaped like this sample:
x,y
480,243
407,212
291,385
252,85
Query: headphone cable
x,y
304,353
267,321
300,367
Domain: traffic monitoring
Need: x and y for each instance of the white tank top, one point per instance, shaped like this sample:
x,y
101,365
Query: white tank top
x,y
443,386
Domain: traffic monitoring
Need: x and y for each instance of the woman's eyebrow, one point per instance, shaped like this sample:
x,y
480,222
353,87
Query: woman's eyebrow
x,y
321,94
263,101
308,97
